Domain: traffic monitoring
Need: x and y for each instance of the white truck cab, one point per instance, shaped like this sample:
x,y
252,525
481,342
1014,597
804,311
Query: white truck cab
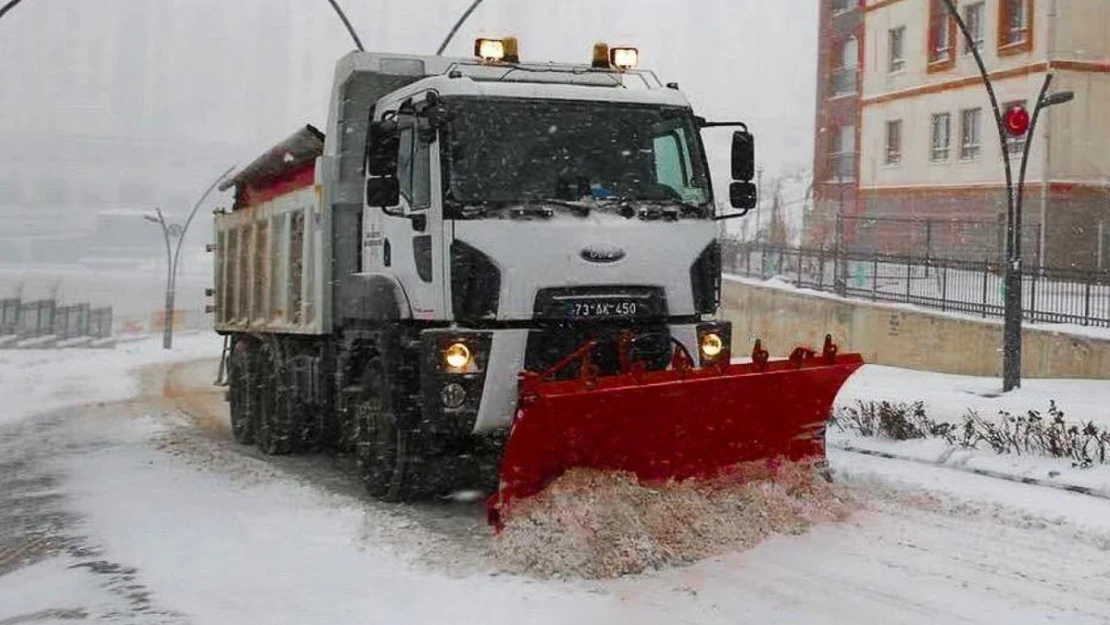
x,y
473,219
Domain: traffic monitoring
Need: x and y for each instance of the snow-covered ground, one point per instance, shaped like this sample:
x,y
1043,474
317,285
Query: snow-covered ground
x,y
152,519
37,381
947,398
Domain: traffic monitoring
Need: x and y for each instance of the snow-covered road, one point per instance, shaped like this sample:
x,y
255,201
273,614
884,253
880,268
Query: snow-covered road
x,y
143,512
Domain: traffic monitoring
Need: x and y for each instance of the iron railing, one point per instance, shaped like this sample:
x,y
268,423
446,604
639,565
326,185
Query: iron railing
x,y
954,285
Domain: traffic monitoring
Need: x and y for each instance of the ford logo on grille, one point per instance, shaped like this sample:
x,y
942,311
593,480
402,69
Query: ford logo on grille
x,y
602,254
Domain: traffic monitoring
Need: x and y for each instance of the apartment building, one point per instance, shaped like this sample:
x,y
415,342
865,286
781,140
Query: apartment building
x,y
836,164
930,171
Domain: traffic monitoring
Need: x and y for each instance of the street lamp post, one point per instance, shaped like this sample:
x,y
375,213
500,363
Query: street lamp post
x,y
458,25
8,7
173,255
1011,341
347,24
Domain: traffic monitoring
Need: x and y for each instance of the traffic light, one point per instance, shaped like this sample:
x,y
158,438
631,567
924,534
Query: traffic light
x,y
1017,120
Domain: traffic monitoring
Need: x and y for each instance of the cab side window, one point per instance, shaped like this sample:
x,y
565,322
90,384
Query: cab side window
x,y
421,173
669,167
404,163
673,166
414,169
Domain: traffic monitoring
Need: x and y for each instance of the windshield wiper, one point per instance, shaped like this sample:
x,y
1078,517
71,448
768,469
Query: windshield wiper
x,y
515,210
654,208
630,208
580,208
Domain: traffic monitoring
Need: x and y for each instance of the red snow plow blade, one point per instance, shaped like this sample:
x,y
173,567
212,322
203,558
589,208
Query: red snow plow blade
x,y
679,423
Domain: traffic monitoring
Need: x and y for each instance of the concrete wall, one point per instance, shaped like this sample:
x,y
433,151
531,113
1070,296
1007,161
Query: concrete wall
x,y
899,337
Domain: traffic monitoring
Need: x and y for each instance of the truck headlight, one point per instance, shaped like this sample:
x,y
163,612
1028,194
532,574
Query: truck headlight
x,y
457,356
714,343
711,345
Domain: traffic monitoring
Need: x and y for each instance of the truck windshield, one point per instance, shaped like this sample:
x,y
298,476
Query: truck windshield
x,y
506,151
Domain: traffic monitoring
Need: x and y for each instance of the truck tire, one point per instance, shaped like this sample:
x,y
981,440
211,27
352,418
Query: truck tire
x,y
240,394
383,446
277,431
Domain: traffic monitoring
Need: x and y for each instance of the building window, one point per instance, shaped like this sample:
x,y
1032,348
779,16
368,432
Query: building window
x,y
938,32
843,6
1013,22
845,78
894,142
973,18
970,131
942,37
897,51
1014,145
842,153
942,136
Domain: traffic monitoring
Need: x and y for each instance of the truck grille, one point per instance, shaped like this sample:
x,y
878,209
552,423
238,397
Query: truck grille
x,y
596,304
548,346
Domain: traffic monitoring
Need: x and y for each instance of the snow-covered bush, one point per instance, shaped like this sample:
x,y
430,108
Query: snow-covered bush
x,y
1033,433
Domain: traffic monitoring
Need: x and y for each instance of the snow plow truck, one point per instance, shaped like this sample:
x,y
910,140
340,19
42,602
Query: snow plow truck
x,y
487,272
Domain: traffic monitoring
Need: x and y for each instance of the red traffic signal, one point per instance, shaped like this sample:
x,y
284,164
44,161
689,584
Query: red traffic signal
x,y
1017,120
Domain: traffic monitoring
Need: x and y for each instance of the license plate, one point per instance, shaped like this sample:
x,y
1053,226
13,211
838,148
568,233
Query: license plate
x,y
590,309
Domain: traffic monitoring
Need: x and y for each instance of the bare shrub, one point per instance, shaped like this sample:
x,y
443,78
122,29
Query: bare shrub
x,y
1033,433
898,422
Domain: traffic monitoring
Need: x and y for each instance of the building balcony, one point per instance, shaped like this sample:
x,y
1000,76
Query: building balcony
x,y
844,81
842,166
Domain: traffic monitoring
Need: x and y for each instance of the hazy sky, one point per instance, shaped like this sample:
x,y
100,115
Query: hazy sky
x,y
753,60
132,104
747,59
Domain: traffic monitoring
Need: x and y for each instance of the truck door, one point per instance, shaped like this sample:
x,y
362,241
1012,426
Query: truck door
x,y
414,232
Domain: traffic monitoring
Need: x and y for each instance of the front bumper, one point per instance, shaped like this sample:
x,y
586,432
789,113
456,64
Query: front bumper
x,y
508,350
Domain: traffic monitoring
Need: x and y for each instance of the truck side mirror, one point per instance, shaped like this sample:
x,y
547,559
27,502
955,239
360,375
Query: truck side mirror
x,y
433,111
743,195
383,192
743,156
382,146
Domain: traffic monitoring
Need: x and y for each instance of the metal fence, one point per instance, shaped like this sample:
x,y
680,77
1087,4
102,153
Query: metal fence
x,y
9,315
36,318
46,318
964,286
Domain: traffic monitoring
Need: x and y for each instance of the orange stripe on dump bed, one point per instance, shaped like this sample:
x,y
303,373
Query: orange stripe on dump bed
x,y
267,190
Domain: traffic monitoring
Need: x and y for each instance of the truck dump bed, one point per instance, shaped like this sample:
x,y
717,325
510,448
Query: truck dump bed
x,y
267,249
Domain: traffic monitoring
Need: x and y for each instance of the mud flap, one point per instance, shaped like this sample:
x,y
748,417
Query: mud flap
x,y
676,424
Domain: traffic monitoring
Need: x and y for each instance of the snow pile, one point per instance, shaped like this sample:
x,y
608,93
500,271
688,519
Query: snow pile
x,y
596,524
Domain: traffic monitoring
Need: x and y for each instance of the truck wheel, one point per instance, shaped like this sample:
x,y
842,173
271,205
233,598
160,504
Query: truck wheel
x,y
277,433
380,444
239,395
